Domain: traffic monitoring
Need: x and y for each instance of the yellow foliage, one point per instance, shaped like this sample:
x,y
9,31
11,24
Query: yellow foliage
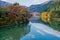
x,y
45,16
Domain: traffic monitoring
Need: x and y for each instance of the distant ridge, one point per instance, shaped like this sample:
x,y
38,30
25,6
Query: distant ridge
x,y
4,4
40,7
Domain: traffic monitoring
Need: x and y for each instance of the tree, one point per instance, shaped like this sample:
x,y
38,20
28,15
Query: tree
x,y
16,3
54,10
13,14
19,13
52,15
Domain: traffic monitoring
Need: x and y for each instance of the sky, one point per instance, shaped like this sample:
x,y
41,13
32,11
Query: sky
x,y
26,2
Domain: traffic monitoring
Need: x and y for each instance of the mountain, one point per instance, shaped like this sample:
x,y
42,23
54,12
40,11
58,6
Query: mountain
x,y
4,4
55,6
40,7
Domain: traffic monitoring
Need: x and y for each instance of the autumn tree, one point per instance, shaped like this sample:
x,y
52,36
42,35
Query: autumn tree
x,y
20,13
14,14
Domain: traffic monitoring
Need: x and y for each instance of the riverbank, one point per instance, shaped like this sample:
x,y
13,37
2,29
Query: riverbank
x,y
14,32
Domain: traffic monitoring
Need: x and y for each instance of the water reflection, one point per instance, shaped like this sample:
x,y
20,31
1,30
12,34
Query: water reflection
x,y
40,31
14,32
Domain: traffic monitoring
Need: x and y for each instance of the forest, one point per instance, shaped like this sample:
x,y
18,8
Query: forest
x,y
52,15
13,14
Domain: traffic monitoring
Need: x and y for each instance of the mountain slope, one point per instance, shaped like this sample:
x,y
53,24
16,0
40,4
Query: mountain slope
x,y
54,6
4,4
40,7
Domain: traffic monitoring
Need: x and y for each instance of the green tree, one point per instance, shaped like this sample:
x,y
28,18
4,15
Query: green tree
x,y
54,11
16,3
55,14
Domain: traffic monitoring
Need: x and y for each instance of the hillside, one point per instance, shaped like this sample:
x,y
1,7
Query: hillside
x,y
54,6
4,4
53,15
40,7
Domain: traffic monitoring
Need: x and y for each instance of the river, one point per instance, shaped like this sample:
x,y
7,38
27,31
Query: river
x,y
40,31
35,30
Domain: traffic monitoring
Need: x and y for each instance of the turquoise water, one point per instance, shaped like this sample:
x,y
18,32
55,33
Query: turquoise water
x,y
35,30
14,32
40,31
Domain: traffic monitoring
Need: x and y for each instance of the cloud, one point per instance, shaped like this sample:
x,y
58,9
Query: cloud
x,y
39,1
36,1
3,0
26,2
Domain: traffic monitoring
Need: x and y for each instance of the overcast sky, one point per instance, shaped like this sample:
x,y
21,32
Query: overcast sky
x,y
26,2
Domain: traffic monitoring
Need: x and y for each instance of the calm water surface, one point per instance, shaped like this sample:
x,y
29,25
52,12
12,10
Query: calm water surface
x,y
40,31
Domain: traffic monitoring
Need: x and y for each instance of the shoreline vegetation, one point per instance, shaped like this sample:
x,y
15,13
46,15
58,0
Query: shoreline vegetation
x,y
13,15
14,32
51,16
14,21
11,25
